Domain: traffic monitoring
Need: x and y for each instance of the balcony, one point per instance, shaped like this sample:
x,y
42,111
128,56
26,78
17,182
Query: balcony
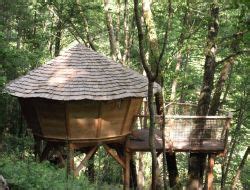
x,y
184,131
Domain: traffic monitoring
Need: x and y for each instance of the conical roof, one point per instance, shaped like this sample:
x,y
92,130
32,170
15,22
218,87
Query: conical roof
x,y
80,73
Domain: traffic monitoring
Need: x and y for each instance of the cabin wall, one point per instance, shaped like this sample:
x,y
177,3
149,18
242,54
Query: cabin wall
x,y
81,120
29,113
52,118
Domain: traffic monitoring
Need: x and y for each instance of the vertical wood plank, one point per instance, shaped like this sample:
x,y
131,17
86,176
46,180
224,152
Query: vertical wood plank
x,y
127,170
99,123
126,115
137,112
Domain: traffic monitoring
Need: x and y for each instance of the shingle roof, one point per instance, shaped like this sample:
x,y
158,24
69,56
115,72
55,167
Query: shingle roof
x,y
80,73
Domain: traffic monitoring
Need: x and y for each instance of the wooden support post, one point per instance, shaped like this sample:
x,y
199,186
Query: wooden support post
x,y
86,158
127,170
158,153
226,132
70,158
210,176
115,156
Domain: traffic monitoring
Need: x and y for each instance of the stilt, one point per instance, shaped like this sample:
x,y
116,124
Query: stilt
x,y
86,158
70,158
210,176
127,170
113,154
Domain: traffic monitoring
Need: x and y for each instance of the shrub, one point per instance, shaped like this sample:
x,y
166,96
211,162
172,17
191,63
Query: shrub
x,y
28,174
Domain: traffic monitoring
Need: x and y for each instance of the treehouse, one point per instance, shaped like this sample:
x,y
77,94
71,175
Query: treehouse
x,y
80,100
80,96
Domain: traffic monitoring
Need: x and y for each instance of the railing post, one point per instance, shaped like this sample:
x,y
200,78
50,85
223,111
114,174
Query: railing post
x,y
226,129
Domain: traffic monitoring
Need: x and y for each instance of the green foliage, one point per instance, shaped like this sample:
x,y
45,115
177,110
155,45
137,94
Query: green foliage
x,y
244,178
28,174
107,169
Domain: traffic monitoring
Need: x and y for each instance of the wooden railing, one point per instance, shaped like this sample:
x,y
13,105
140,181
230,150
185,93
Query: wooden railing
x,y
186,131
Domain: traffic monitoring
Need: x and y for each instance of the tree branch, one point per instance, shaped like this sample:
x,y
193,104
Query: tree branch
x,y
55,12
141,40
232,56
165,40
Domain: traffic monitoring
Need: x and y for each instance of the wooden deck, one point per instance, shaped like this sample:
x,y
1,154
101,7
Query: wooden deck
x,y
138,142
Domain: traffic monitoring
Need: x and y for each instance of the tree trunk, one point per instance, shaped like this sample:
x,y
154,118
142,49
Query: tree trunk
x,y
58,33
127,34
152,73
215,102
154,56
197,161
183,89
58,37
174,84
151,134
224,75
89,37
112,37
151,34
242,163
210,175
140,172
133,174
117,28
235,139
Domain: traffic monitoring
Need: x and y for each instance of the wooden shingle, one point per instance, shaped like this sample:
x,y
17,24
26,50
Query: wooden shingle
x,y
80,73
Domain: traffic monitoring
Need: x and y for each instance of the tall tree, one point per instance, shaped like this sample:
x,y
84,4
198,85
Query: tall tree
x,y
151,78
197,160
114,49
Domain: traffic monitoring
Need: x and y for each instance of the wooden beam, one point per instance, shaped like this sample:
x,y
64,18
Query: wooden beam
x,y
189,117
210,176
111,152
86,158
127,170
70,158
158,153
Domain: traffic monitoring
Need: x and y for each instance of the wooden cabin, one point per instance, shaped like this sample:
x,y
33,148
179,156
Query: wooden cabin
x,y
80,96
81,100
